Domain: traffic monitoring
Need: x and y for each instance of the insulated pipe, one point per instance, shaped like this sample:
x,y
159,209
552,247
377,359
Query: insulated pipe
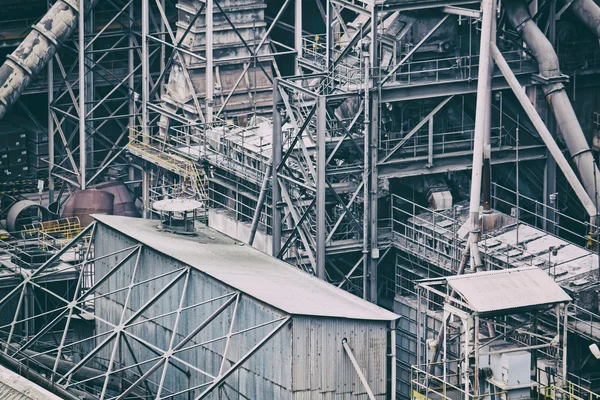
x,y
483,87
588,12
544,133
581,155
36,50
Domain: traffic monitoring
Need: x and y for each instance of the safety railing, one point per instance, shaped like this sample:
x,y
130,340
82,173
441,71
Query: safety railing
x,y
450,69
425,385
583,322
443,142
535,213
426,233
156,149
570,391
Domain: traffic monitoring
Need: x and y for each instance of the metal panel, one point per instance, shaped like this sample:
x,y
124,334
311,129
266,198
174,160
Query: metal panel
x,y
15,387
321,369
263,277
508,289
265,375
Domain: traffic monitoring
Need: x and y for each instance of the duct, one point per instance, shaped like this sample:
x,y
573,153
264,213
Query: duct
x,y
519,17
587,12
25,212
36,50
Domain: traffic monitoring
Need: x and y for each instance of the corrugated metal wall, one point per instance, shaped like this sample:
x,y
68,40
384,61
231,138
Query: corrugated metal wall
x,y
306,357
321,368
267,375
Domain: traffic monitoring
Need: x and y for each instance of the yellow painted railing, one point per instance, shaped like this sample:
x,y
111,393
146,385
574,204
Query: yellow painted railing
x,y
156,150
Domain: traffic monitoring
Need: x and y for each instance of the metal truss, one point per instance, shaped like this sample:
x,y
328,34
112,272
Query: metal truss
x,y
112,355
94,103
332,149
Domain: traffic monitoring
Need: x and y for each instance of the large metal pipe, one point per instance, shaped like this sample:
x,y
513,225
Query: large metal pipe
x,y
581,155
482,111
588,12
36,50
544,133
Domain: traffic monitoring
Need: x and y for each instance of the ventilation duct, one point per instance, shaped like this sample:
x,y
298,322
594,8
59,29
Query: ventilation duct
x,y
557,97
36,50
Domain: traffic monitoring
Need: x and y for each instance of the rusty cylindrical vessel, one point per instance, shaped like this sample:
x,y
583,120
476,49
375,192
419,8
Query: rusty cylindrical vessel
x,y
86,202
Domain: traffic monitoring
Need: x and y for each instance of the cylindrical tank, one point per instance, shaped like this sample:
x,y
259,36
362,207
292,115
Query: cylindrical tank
x,y
86,202
124,204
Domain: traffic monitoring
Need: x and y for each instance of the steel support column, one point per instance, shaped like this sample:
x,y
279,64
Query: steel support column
x,y
209,61
483,87
82,90
145,98
276,160
298,33
321,186
373,256
50,131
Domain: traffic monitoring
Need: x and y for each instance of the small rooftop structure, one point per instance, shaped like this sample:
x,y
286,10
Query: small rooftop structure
x,y
508,290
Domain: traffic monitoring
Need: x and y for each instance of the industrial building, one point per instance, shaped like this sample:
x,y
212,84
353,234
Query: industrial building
x,y
318,199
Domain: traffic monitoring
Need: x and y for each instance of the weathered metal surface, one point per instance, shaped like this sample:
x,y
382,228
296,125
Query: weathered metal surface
x,y
321,369
124,203
86,202
508,289
263,277
15,387
304,360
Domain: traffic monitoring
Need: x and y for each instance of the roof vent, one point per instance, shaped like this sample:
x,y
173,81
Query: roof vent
x,y
178,215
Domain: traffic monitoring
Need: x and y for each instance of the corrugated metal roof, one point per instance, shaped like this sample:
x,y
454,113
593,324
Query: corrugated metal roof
x,y
15,387
252,272
508,289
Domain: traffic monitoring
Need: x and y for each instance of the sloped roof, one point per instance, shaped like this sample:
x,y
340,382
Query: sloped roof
x,y
15,387
250,271
508,289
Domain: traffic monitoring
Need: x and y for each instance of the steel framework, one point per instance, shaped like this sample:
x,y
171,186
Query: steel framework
x,y
117,359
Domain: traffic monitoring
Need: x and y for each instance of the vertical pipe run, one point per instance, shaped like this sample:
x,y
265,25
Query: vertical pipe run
x,y
487,145
82,136
564,349
393,360
374,142
430,144
145,95
483,86
276,160
476,350
366,208
545,135
50,131
209,61
298,33
320,187
328,36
